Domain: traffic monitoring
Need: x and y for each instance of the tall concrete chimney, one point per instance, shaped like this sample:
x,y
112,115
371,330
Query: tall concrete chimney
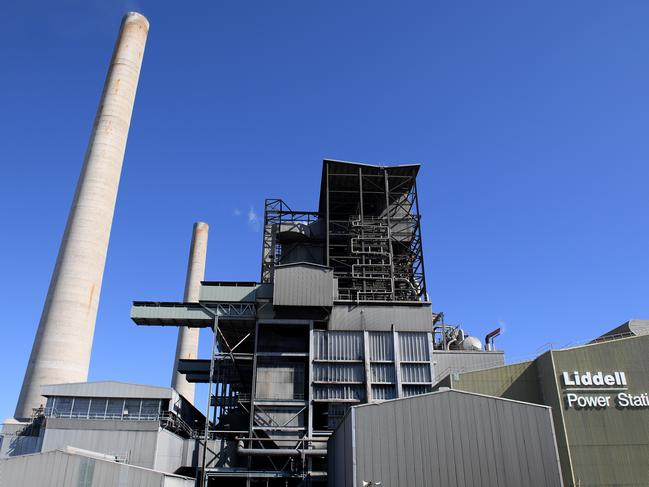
x,y
61,350
187,344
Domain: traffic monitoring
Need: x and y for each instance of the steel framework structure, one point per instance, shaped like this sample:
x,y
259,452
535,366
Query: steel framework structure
x,y
373,233
278,215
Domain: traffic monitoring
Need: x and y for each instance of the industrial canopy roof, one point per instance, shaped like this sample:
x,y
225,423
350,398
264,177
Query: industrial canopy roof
x,y
351,168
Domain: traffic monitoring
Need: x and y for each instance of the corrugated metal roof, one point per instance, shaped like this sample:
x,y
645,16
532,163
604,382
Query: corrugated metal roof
x,y
107,389
74,467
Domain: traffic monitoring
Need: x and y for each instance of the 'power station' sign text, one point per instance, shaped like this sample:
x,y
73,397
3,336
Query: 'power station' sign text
x,y
588,390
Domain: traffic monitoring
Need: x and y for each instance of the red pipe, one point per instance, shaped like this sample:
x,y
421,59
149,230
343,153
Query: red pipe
x,y
489,338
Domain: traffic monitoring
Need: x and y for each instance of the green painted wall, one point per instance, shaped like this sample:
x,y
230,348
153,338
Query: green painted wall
x,y
549,390
517,381
597,446
608,446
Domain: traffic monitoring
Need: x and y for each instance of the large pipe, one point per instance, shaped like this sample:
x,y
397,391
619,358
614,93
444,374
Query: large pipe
x,y
279,452
187,344
489,339
61,350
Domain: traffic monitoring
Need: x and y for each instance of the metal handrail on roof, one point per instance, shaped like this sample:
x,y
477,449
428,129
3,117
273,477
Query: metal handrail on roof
x,y
616,336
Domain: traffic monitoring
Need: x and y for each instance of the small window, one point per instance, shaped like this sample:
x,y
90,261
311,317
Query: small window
x,y
150,408
132,409
49,406
63,407
80,407
115,408
97,408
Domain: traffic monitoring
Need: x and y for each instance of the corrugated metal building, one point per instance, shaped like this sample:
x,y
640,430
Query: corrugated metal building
x,y
143,426
73,467
447,438
602,427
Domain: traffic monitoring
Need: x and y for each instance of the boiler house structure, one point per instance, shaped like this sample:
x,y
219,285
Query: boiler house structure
x,y
339,317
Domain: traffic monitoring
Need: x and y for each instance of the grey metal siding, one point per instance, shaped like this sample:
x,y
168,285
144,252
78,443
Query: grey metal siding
x,y
413,346
333,372
107,389
170,314
220,294
338,345
340,450
382,373
415,373
58,468
376,317
381,347
339,359
12,444
100,424
303,285
138,446
338,366
415,390
169,452
383,392
347,393
448,438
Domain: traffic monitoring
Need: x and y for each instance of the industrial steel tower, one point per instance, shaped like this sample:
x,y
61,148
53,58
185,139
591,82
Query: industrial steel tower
x,y
61,350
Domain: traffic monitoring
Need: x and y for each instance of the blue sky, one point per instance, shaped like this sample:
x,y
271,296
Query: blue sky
x,y
529,119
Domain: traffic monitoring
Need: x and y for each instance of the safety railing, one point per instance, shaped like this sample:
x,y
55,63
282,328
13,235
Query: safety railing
x,y
54,413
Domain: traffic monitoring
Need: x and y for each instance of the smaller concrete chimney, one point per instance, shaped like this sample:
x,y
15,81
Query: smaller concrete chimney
x,y
187,345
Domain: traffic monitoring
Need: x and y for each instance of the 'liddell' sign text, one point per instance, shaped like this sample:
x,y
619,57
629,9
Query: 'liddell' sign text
x,y
591,390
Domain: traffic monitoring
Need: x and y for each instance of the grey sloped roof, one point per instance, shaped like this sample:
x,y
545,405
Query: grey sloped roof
x,y
445,391
73,466
107,388
628,329
449,438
